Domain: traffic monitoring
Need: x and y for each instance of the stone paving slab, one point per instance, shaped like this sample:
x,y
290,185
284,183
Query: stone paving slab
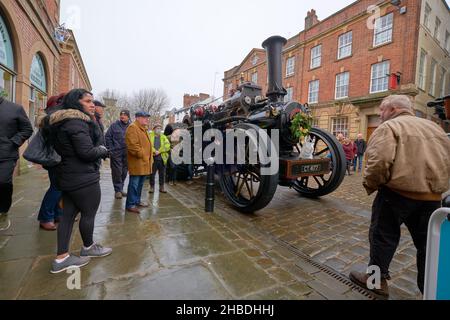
x,y
194,282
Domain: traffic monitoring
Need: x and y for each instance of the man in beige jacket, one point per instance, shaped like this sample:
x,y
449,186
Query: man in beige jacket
x,y
408,164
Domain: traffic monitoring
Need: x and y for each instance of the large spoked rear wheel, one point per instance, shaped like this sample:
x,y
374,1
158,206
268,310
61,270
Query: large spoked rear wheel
x,y
244,185
317,186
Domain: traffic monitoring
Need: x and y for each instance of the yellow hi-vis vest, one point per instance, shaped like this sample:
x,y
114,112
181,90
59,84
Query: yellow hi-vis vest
x,y
164,149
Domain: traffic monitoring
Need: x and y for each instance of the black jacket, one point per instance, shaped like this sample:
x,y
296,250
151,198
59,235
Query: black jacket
x,y
77,139
15,129
361,145
115,137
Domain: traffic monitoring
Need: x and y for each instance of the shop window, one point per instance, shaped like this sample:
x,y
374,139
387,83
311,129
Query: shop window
x,y
7,77
6,50
6,84
340,125
38,89
316,123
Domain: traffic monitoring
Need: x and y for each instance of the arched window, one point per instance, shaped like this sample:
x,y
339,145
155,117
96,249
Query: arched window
x,y
38,90
7,75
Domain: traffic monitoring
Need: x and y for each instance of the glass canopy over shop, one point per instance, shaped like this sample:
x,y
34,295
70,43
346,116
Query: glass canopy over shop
x,y
7,75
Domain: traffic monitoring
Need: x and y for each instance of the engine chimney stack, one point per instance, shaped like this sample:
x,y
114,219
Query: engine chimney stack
x,y
274,48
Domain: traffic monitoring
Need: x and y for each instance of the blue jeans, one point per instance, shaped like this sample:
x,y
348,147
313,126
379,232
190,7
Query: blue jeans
x,y
358,161
135,187
50,209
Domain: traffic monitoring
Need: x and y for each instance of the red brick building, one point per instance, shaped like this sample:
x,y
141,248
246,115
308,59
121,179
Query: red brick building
x,y
190,100
34,64
72,72
346,64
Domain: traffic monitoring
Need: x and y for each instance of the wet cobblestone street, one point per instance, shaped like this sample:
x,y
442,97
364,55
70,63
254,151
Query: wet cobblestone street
x,y
294,249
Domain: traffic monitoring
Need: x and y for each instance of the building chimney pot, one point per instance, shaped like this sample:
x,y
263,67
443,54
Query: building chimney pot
x,y
311,19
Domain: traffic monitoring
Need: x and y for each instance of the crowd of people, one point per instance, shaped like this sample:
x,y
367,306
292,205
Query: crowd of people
x,y
354,152
410,184
72,126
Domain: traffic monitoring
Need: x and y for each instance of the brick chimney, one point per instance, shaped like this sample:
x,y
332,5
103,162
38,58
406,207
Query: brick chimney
x,y
311,19
189,100
204,96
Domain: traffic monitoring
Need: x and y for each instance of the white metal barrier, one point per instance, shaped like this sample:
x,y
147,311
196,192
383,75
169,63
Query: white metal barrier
x,y
437,273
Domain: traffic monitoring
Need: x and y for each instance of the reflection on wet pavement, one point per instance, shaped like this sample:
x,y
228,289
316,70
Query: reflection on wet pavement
x,y
173,250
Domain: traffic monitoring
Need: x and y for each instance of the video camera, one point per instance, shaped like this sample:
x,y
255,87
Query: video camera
x,y
442,107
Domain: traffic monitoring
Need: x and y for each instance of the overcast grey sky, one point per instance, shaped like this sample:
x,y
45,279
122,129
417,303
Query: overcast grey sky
x,y
178,45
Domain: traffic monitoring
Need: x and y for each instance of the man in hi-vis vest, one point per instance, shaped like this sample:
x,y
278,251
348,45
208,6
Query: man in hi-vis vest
x,y
161,149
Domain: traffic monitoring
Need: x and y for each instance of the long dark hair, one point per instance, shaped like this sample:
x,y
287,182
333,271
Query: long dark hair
x,y
72,99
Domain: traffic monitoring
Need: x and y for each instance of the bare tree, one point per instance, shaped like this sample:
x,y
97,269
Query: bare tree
x,y
153,101
115,102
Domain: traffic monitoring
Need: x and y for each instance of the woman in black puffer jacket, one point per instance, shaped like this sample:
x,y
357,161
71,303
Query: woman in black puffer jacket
x,y
76,137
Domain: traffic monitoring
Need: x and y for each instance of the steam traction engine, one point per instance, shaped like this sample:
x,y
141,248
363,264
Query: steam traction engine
x,y
244,185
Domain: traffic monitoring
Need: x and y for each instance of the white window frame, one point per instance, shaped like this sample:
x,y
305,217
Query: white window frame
x,y
230,87
345,41
437,29
290,95
290,66
447,41
422,69
383,27
12,96
426,19
313,91
316,56
73,76
380,75
433,74
340,125
255,77
342,85
443,82
316,123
